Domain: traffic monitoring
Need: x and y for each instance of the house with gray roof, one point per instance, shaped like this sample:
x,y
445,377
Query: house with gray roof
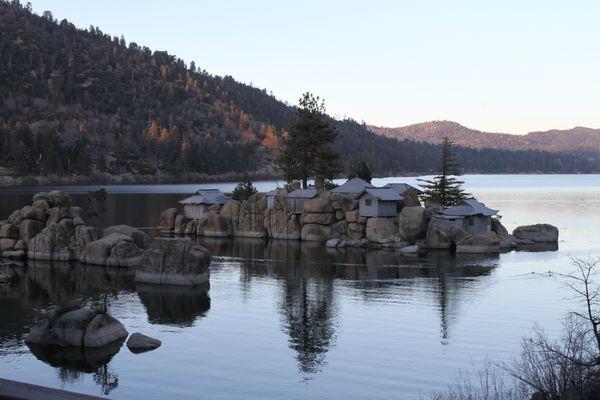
x,y
408,192
195,206
469,215
296,199
352,187
378,202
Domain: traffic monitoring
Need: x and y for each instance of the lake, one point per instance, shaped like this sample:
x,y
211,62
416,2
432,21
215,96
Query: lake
x,y
296,320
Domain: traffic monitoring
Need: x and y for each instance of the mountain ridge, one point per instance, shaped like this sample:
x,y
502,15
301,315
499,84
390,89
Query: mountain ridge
x,y
576,139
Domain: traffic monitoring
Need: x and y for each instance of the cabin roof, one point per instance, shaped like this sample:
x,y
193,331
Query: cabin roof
x,y
303,194
383,194
352,186
469,207
273,192
402,187
206,196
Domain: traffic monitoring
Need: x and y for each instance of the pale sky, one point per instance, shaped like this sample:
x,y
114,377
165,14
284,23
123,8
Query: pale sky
x,y
509,66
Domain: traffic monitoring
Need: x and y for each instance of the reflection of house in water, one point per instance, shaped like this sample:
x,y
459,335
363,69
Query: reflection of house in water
x,y
174,305
310,274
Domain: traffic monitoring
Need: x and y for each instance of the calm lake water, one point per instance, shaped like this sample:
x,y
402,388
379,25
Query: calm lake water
x,y
293,320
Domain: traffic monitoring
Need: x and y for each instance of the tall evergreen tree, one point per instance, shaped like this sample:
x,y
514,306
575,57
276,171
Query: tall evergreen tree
x,y
362,171
444,188
307,151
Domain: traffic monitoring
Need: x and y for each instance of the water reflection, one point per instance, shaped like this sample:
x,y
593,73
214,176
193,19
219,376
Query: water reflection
x,y
308,273
174,305
72,362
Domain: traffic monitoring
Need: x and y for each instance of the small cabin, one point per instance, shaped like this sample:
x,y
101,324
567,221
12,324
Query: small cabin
x,y
195,206
469,215
296,199
378,202
352,187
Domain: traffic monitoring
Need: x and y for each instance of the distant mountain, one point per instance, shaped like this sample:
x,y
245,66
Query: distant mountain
x,y
83,103
578,139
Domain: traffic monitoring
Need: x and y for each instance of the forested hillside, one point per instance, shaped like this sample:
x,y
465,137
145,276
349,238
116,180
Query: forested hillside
x,y
80,101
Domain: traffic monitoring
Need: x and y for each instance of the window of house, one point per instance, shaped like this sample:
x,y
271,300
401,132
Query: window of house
x,y
367,202
471,222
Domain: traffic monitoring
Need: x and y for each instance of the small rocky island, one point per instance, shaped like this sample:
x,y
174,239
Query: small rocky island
x,y
355,214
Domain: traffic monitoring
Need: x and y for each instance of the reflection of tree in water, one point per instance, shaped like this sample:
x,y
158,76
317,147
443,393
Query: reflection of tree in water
x,y
106,379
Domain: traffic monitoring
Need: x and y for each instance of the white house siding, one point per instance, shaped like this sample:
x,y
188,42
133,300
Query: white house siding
x,y
377,208
194,211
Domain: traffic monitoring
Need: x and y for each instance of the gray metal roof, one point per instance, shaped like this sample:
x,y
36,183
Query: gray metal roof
x,y
469,207
352,186
206,196
383,194
303,193
273,192
402,187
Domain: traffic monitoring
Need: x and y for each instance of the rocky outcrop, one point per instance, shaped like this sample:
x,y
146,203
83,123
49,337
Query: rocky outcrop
x,y
251,217
321,219
140,238
53,242
181,222
29,228
381,230
412,223
279,222
316,233
74,326
540,233
177,261
214,224
320,204
139,343
114,249
343,203
486,242
498,228
166,221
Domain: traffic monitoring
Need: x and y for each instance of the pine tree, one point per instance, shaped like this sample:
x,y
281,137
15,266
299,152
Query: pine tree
x,y
444,188
244,189
307,151
362,171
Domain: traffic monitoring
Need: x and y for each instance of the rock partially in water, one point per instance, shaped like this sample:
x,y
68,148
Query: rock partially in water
x,y
279,222
174,261
213,224
316,233
333,243
381,230
539,233
114,249
52,243
485,242
251,217
139,343
76,326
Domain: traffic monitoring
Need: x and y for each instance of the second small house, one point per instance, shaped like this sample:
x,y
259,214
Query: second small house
x,y
470,215
195,206
379,202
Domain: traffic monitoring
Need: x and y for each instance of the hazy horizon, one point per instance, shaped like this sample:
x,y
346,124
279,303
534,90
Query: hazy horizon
x,y
505,67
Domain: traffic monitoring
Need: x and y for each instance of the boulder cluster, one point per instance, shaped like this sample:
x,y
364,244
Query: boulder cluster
x,y
334,219
52,229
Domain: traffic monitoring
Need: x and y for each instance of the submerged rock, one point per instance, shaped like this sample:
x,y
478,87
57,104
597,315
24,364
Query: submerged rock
x,y
139,343
76,326
178,261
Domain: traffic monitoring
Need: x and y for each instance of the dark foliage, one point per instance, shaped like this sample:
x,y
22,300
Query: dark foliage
x,y
244,189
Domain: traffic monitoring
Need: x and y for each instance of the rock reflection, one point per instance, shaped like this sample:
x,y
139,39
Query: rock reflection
x,y
72,362
174,305
309,271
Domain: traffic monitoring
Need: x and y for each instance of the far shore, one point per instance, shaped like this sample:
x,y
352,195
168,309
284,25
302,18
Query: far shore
x,y
194,178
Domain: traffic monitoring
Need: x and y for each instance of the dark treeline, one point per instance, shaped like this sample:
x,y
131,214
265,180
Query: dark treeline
x,y
79,101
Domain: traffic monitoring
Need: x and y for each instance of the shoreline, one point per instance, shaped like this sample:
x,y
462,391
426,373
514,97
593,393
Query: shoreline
x,y
193,178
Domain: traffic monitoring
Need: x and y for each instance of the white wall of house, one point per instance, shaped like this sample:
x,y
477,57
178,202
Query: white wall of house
x,y
194,211
369,206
